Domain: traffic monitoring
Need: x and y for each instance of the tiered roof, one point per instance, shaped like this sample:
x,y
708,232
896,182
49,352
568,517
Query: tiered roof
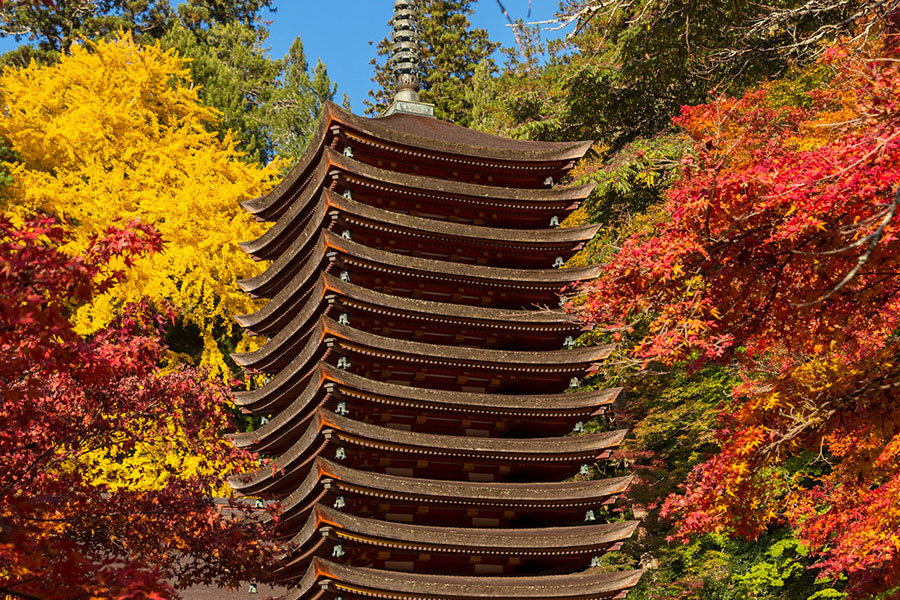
x,y
420,389
326,579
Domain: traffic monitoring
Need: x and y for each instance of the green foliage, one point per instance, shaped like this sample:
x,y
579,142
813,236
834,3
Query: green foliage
x,y
202,14
273,106
794,88
627,199
714,567
451,50
293,112
631,180
8,156
480,92
52,27
235,76
674,417
633,65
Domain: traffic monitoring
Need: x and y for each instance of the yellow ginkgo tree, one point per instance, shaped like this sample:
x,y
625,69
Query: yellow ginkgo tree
x,y
115,130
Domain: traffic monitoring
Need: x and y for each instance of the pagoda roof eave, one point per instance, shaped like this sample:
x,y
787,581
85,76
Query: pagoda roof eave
x,y
391,584
304,406
328,283
312,175
559,235
263,319
308,235
446,309
427,265
426,227
466,234
303,359
307,317
298,412
559,193
252,481
557,540
330,240
575,358
310,160
446,138
415,443
269,312
535,402
578,493
578,444
330,289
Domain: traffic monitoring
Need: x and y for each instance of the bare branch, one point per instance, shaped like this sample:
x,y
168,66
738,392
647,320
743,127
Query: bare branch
x,y
832,17
516,27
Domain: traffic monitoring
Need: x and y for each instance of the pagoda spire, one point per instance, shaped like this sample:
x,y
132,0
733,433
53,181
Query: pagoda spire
x,y
406,60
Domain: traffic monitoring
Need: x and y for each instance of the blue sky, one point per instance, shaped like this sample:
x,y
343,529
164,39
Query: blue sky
x,y
339,32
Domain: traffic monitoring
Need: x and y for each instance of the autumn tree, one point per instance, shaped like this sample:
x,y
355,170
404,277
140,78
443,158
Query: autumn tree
x,y
775,255
117,130
624,68
225,42
65,398
451,50
623,72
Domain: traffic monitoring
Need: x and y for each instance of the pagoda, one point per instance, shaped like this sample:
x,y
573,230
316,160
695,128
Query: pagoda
x,y
422,413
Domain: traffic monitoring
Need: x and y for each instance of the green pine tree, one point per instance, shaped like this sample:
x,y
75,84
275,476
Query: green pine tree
x,y
451,50
49,28
235,76
293,112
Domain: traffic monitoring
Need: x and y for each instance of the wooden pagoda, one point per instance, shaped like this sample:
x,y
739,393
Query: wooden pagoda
x,y
420,399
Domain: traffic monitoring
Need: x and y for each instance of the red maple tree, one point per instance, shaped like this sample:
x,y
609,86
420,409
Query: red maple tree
x,y
63,396
779,255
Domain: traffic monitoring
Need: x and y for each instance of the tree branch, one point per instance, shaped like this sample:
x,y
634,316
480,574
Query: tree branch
x,y
873,240
15,594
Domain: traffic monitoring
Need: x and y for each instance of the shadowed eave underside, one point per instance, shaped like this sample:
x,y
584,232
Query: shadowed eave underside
x,y
345,337
462,493
345,383
327,522
330,289
375,583
304,452
299,201
330,247
414,133
428,268
331,206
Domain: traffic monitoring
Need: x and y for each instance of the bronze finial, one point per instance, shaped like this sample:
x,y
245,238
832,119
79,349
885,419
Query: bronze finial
x,y
405,56
406,61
